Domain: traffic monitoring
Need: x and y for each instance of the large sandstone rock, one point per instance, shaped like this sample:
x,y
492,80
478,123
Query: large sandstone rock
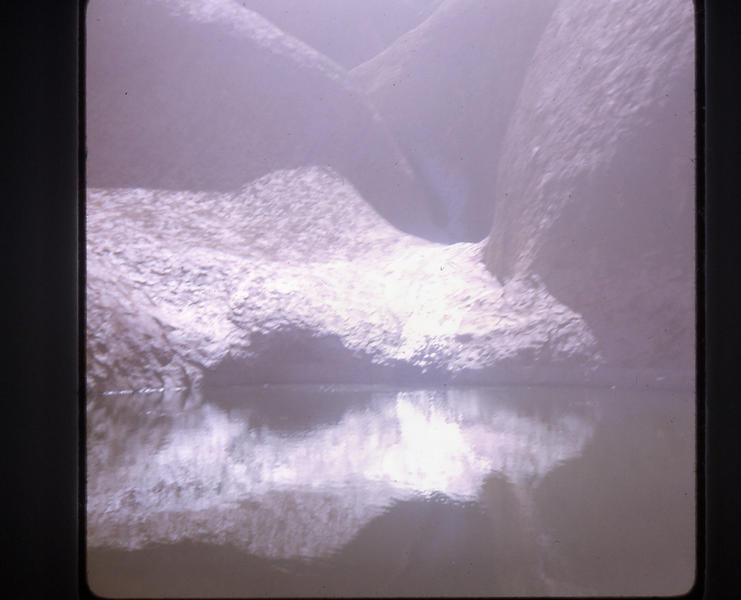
x,y
447,89
296,279
595,193
208,95
348,31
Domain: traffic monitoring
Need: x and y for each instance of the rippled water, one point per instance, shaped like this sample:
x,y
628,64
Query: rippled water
x,y
367,490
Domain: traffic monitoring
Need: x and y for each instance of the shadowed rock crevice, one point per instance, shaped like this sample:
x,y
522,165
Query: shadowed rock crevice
x,y
305,356
447,89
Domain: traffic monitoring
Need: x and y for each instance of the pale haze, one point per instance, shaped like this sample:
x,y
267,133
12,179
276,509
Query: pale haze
x,y
390,298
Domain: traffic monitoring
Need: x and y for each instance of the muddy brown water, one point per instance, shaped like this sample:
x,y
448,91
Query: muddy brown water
x,y
376,491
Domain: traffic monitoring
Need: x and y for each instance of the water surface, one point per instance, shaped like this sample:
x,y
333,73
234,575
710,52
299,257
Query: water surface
x,y
367,490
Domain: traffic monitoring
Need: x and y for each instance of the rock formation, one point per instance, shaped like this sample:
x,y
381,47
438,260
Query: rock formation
x,y
208,95
594,193
296,279
447,89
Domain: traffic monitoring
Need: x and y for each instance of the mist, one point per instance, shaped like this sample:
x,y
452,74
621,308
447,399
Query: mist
x,y
377,218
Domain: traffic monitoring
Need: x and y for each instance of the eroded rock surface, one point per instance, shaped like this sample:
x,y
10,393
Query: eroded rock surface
x,y
447,89
595,191
296,279
209,95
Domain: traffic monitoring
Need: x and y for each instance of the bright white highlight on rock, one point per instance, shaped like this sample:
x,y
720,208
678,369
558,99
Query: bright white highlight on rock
x,y
404,445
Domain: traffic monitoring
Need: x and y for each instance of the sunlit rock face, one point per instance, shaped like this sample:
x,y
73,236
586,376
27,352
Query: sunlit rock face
x,y
295,278
303,275
208,95
447,89
221,475
594,194
348,31
128,347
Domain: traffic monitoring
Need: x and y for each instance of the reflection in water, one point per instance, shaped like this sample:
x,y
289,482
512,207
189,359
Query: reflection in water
x,y
321,483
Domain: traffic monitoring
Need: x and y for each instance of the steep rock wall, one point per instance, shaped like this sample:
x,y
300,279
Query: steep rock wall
x,y
595,191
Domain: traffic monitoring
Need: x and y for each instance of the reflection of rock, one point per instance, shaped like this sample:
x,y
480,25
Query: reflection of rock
x,y
517,555
447,89
417,548
206,476
634,534
594,194
296,279
208,95
348,31
432,546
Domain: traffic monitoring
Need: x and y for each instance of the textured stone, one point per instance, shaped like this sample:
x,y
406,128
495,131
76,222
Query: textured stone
x,y
296,279
595,191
